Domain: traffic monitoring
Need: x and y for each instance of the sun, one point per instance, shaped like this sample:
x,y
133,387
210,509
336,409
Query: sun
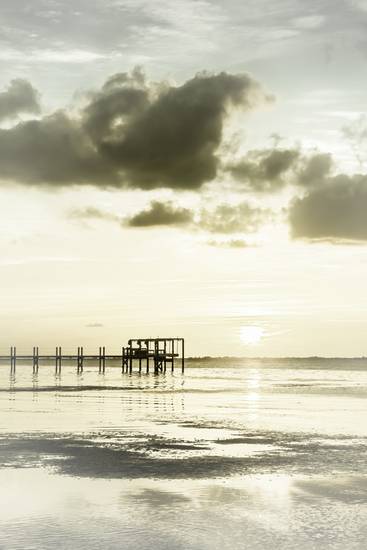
x,y
251,335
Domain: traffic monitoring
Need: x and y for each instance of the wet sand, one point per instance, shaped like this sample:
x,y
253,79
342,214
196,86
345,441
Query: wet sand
x,y
248,454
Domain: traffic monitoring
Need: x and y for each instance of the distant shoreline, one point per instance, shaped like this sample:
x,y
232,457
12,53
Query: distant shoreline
x,y
274,358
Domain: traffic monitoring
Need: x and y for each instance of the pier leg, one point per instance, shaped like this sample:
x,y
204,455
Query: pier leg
x,y
183,357
14,358
147,345
58,360
156,345
81,359
173,356
78,360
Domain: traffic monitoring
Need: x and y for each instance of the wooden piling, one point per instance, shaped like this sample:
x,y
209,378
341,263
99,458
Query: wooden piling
x,y
80,359
13,358
58,360
173,355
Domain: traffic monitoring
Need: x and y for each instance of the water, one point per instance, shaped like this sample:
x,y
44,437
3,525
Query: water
x,y
234,454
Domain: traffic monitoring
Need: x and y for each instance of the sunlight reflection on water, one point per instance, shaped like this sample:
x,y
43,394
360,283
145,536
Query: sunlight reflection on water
x,y
271,454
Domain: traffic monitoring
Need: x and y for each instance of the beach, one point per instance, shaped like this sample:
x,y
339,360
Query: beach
x,y
235,453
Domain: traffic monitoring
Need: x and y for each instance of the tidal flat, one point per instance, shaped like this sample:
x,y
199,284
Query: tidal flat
x,y
233,454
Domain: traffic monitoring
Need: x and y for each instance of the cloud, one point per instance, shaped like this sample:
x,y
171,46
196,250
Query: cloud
x,y
231,243
173,141
265,170
121,97
335,211
19,97
51,151
270,170
224,219
161,213
90,212
131,134
94,325
227,219
315,169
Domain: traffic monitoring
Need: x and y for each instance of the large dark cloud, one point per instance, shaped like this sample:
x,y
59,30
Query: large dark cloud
x,y
53,150
161,213
174,140
130,134
19,97
337,210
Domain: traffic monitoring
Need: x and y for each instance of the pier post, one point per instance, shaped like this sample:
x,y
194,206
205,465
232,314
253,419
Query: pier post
x,y
156,347
80,360
173,356
147,345
183,356
165,356
104,359
13,358
130,360
139,356
36,359
58,359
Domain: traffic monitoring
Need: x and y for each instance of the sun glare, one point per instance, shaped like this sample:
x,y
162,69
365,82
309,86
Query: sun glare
x,y
251,335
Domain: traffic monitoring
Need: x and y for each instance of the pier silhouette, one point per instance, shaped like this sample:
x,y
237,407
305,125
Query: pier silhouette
x,y
152,352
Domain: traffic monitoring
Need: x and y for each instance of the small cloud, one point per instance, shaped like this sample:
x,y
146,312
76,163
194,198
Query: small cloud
x,y
265,170
94,325
90,213
232,243
161,213
226,218
19,97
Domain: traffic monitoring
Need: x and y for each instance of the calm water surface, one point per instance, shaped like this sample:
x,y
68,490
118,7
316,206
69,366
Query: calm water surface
x,y
234,454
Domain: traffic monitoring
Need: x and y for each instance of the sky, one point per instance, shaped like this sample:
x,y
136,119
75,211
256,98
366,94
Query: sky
x,y
184,168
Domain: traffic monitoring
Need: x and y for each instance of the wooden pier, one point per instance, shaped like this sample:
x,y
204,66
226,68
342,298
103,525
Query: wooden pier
x,y
152,352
